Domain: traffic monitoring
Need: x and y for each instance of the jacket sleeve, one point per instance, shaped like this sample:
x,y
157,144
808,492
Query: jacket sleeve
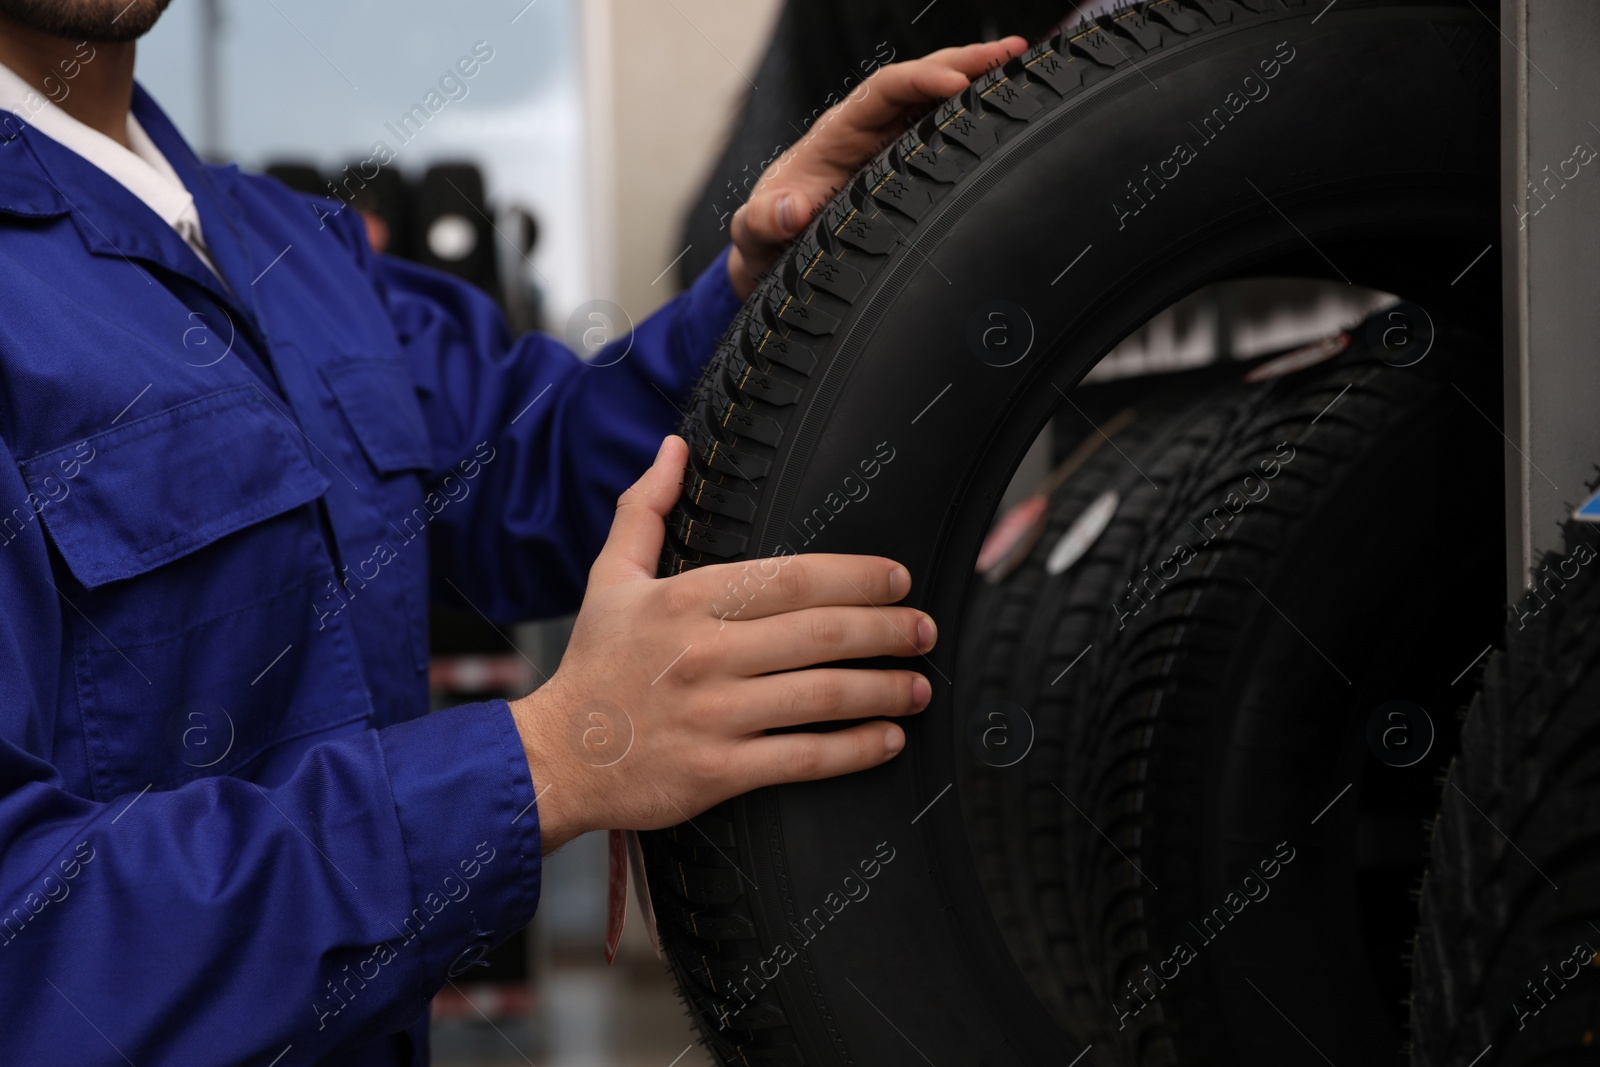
x,y
222,921
567,436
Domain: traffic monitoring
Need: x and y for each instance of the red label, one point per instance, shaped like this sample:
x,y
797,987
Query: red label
x,y
617,910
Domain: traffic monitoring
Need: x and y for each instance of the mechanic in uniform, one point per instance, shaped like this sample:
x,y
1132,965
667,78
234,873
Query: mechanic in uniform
x,y
243,454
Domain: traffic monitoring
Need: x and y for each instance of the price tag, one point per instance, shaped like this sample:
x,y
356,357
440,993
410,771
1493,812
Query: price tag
x,y
617,908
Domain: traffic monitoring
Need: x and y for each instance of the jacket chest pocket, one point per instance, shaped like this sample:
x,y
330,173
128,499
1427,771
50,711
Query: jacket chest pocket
x,y
194,553
379,404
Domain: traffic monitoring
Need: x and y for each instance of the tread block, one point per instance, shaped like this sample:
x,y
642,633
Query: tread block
x,y
779,348
1097,45
971,132
802,316
703,537
1012,100
717,925
769,387
709,885
763,1014
740,419
908,196
1062,74
726,460
917,155
1173,17
1135,24
1218,11
832,276
671,559
855,229
720,498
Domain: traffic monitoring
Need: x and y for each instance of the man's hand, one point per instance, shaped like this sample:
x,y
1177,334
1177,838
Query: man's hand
x,y
839,143
662,702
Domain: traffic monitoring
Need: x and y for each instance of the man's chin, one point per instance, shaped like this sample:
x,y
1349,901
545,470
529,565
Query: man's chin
x,y
100,21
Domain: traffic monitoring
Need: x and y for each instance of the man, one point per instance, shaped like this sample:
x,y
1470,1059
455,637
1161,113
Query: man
x,y
242,454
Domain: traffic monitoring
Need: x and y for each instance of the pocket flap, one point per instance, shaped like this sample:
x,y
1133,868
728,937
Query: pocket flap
x,y
380,401
168,484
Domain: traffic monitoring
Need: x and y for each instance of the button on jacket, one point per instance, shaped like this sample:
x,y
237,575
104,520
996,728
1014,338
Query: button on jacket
x,y
226,826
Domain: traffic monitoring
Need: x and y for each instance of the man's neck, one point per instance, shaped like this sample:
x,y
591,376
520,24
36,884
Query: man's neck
x,y
91,82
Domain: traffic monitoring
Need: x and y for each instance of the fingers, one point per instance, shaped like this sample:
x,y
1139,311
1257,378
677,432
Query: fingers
x,y
755,589
785,201
805,757
973,59
898,86
633,548
770,219
828,694
823,635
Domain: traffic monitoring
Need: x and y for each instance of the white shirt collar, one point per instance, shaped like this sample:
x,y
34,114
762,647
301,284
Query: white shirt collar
x,y
144,171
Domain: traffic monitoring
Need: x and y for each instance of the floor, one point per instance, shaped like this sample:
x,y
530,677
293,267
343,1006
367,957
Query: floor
x,y
592,1016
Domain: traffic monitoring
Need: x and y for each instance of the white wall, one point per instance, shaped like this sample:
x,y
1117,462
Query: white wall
x,y
664,78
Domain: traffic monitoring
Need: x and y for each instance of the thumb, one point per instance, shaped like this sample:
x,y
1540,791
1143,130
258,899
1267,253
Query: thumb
x,y
633,547
769,218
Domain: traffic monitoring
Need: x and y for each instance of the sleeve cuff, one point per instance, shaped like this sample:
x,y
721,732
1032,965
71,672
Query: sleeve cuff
x,y
463,796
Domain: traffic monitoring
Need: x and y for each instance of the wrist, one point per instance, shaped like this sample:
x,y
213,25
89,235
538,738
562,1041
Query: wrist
x,y
557,784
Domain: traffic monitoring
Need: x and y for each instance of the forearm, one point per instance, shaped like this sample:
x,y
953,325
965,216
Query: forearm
x,y
362,880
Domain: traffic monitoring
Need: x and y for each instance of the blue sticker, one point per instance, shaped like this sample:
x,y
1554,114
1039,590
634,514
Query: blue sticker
x,y
1589,511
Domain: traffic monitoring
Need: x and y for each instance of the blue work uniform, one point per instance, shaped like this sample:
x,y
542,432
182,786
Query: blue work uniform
x,y
228,828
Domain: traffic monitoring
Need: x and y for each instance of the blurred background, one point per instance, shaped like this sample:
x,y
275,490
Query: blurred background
x,y
594,152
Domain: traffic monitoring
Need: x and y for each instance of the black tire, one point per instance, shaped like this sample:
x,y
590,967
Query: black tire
x,y
1020,636
1226,708
1505,970
1378,146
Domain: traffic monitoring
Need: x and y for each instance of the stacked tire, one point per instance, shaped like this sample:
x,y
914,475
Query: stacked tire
x,y
1025,628
1205,797
1506,971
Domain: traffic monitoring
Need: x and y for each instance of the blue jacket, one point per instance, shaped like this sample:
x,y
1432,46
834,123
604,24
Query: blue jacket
x,y
227,826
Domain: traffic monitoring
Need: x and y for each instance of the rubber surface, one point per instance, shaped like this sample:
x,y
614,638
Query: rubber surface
x,y
1505,969
1226,708
1020,637
868,400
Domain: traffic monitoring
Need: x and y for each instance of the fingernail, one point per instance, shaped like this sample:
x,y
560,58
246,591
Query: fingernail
x,y
927,633
787,213
899,583
893,741
921,692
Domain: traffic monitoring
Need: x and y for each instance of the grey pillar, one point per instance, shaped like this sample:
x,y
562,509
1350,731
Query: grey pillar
x,y
1550,189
